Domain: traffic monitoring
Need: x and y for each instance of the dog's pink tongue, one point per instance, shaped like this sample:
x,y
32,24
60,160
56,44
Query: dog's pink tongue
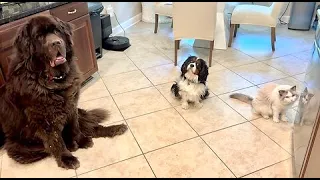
x,y
59,60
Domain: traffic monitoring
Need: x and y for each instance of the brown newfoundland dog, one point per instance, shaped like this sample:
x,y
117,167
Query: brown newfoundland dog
x,y
38,104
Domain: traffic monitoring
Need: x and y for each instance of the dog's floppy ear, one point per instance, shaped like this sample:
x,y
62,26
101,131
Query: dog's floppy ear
x,y
203,74
66,28
186,63
23,41
184,67
25,47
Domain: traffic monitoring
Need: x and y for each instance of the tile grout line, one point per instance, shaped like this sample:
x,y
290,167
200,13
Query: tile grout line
x,y
184,119
166,98
271,138
289,75
190,127
262,61
1,166
256,84
249,121
76,173
130,129
108,165
237,73
265,167
255,126
127,122
206,143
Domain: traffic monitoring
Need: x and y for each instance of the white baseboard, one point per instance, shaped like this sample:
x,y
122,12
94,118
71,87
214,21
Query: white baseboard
x,y
125,25
285,19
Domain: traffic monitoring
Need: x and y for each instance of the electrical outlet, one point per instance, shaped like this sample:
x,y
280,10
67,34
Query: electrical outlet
x,y
110,10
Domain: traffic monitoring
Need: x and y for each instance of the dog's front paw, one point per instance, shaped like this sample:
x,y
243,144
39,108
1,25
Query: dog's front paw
x,y
72,147
284,119
199,105
276,120
265,116
85,142
69,162
185,106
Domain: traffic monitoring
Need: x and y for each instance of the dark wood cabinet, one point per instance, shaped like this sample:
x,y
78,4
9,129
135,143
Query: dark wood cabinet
x,y
75,13
84,46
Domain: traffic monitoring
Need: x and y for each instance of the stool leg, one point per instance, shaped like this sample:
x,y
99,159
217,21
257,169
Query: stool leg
x,y
235,30
176,46
210,53
231,34
273,37
156,23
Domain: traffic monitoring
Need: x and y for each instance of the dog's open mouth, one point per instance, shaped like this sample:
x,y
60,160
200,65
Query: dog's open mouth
x,y
60,59
61,77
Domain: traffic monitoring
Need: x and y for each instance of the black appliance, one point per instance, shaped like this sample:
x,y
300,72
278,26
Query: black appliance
x,y
95,8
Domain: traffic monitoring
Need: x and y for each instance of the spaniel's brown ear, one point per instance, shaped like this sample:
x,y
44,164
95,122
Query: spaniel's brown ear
x,y
203,74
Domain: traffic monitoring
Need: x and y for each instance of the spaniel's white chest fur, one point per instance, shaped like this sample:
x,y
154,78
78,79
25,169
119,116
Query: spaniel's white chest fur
x,y
191,91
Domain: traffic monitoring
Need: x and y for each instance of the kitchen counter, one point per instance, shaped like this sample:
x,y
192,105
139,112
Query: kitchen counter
x,y
12,11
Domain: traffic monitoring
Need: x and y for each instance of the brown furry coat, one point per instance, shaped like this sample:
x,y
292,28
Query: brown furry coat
x,y
38,104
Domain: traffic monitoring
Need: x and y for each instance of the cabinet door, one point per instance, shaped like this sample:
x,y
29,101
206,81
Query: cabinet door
x,y
84,46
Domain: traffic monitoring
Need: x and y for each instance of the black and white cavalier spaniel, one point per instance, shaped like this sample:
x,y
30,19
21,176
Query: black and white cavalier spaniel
x,y
191,86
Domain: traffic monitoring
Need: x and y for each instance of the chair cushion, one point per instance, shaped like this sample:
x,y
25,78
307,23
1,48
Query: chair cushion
x,y
229,6
254,15
164,8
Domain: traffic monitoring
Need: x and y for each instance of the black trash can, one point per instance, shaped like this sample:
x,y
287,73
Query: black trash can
x,y
95,8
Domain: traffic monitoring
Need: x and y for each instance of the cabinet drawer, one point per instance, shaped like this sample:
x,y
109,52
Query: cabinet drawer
x,y
70,11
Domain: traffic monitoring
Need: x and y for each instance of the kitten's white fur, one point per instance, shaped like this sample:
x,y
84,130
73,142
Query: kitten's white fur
x,y
268,102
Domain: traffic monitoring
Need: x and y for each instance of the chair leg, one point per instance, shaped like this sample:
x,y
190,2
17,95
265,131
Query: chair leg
x,y
176,46
231,34
235,30
156,23
179,44
210,53
273,37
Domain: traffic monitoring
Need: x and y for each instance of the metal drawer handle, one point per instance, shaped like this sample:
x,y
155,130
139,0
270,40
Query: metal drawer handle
x,y
72,12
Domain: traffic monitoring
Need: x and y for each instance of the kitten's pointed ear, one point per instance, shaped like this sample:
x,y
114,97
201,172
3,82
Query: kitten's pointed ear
x,y
311,95
282,92
294,88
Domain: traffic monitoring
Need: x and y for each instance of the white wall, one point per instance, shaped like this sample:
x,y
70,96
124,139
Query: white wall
x,y
284,7
123,10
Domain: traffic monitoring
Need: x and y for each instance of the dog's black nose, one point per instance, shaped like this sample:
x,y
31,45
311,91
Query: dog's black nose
x,y
191,65
57,42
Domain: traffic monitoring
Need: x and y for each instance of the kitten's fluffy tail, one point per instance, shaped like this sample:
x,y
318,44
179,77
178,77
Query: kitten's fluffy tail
x,y
242,97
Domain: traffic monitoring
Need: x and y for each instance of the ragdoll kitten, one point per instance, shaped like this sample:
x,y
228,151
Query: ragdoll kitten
x,y
305,98
271,100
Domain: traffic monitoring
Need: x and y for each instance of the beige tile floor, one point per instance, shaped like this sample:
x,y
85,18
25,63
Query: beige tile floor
x,y
222,139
